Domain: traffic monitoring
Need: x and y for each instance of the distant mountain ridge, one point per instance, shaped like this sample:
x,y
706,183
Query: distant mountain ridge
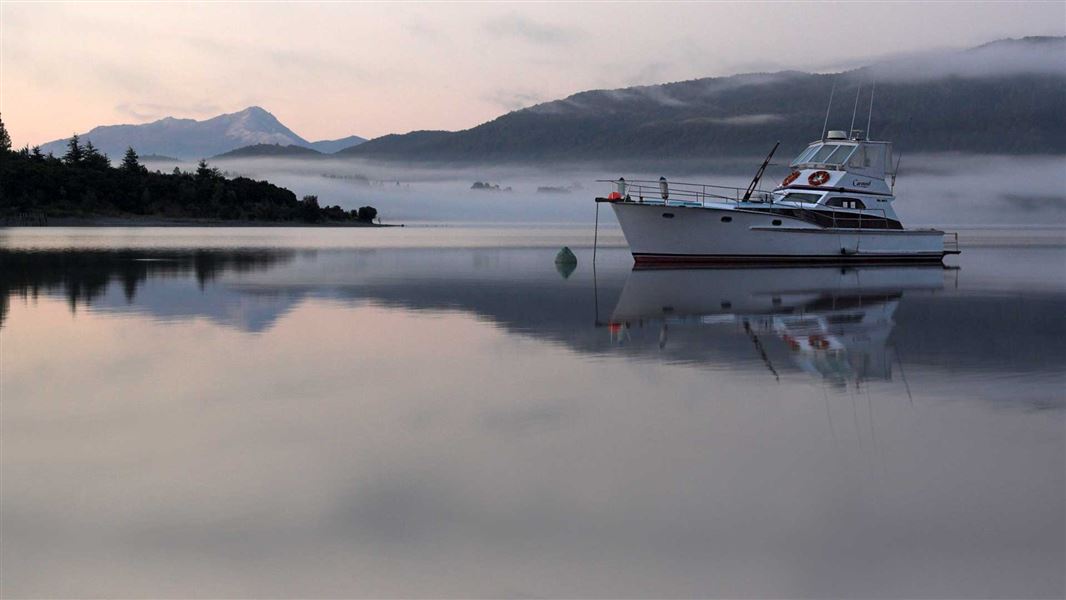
x,y
1002,97
192,139
269,150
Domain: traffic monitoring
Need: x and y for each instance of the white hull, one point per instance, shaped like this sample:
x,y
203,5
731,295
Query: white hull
x,y
680,234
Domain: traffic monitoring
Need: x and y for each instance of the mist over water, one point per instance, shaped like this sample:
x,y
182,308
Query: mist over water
x,y
932,190
444,412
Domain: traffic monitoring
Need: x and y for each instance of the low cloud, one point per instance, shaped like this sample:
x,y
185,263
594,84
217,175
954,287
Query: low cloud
x,y
756,119
515,99
149,111
518,27
1029,56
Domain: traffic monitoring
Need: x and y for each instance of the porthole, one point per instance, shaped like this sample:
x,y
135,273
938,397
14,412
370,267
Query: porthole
x,y
776,222
727,219
668,215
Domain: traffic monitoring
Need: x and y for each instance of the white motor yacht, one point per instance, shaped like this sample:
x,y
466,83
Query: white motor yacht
x,y
834,206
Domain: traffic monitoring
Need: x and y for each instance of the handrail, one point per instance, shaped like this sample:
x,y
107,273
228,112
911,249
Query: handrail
x,y
698,192
680,192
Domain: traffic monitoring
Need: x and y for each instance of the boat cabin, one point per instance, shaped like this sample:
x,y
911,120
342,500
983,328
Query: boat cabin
x,y
841,172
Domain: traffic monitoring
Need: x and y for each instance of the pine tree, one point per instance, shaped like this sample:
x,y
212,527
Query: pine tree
x,y
130,162
204,172
94,158
74,153
35,152
5,139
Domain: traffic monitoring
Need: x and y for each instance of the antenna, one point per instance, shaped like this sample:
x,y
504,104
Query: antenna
x,y
869,115
758,174
831,92
856,109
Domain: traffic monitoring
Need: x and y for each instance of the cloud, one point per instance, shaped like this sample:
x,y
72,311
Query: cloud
x,y
756,119
1029,56
518,27
150,111
515,99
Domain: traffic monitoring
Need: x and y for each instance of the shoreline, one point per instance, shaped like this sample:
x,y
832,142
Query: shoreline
x,y
153,221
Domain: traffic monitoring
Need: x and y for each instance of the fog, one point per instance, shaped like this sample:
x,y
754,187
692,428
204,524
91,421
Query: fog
x,y
1044,57
939,189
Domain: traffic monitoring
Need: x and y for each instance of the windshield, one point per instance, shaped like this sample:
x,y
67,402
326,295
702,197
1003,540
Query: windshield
x,y
803,156
825,154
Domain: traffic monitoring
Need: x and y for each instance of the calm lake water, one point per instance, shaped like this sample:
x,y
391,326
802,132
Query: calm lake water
x,y
441,412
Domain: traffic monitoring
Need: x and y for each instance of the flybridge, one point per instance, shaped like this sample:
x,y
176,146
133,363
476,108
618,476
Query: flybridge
x,y
838,152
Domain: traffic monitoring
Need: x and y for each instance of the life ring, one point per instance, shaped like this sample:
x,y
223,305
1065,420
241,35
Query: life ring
x,y
818,178
791,177
614,196
818,342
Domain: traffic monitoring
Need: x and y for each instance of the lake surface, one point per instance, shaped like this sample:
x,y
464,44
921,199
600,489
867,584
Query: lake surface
x,y
442,412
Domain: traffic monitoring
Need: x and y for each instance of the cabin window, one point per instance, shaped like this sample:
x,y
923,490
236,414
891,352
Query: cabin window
x,y
802,197
727,219
823,153
854,203
840,156
776,222
806,154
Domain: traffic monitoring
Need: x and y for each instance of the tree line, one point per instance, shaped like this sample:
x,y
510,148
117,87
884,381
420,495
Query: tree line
x,y
83,183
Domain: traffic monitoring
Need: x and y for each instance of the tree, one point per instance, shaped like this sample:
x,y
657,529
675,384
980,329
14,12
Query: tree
x,y
309,208
204,172
367,213
36,153
74,153
5,139
130,163
93,158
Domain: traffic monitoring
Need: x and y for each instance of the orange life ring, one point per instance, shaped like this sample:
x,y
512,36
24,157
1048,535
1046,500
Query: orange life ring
x,y
818,342
790,177
614,196
818,178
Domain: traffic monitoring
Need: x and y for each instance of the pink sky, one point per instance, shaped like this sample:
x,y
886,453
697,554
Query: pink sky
x,y
331,70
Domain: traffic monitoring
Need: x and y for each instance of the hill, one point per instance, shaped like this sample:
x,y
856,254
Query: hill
x,y
331,146
1002,97
192,139
35,188
269,150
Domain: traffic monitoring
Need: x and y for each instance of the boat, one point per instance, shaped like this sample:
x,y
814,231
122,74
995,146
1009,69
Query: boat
x,y
835,206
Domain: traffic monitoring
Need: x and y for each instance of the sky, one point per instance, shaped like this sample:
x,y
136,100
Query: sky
x,y
328,70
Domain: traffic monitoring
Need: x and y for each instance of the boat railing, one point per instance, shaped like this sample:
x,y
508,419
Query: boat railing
x,y
852,212
951,242
650,191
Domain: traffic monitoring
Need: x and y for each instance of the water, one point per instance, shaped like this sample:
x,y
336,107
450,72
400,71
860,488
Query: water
x,y
441,411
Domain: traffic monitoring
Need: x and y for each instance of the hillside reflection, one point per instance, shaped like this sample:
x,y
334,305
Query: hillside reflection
x,y
836,325
83,276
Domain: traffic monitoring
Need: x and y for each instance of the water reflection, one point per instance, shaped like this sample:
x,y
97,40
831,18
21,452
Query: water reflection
x,y
84,276
464,422
834,322
839,325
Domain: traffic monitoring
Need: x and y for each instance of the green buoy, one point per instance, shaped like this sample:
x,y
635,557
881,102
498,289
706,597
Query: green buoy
x,y
565,262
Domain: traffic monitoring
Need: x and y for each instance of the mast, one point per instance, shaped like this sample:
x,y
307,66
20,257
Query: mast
x,y
829,106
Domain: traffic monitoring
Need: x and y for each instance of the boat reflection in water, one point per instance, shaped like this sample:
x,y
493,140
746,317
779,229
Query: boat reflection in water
x,y
831,322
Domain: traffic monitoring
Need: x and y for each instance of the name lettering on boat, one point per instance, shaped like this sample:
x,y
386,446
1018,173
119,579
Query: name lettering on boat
x,y
862,183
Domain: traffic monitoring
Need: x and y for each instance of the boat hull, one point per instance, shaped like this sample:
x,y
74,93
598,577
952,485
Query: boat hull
x,y
664,235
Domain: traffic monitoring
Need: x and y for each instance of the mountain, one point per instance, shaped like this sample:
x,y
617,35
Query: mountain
x,y
269,150
1002,97
331,146
191,139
